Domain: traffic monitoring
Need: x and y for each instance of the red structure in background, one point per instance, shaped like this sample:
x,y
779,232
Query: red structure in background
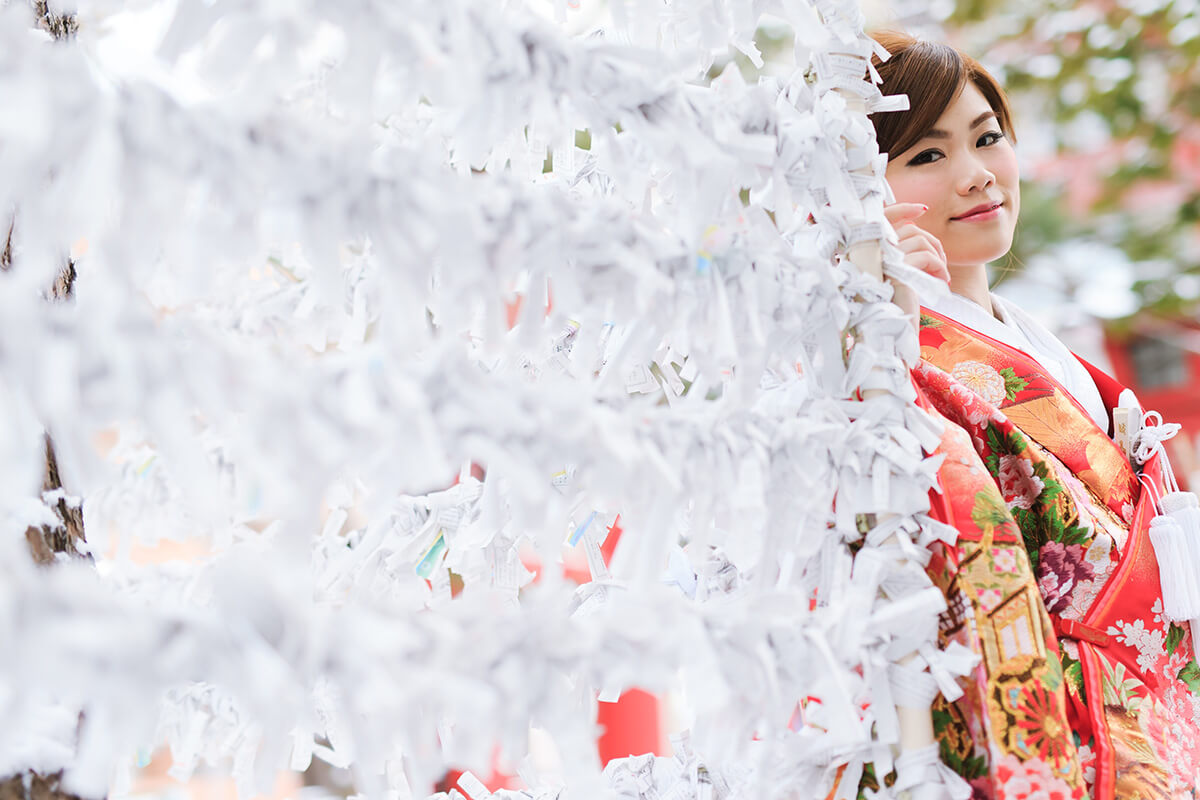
x,y
632,725
1160,360
1156,356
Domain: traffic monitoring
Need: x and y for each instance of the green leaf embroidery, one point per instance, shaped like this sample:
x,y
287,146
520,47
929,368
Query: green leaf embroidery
x,y
989,510
929,322
1074,534
1016,442
1053,677
869,781
1051,487
974,767
1073,673
1121,690
1012,384
1174,637
1190,674
994,451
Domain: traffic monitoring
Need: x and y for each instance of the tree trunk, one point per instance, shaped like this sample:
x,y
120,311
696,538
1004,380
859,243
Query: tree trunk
x,y
48,542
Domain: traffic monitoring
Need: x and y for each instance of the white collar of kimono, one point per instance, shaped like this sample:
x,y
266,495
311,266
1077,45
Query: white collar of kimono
x,y
1017,329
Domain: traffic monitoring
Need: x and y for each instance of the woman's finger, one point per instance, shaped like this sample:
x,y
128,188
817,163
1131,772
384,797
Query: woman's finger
x,y
921,249
941,250
909,231
920,238
929,263
898,212
912,243
918,245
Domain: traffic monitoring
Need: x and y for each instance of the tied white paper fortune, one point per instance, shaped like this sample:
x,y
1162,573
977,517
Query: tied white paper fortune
x,y
331,260
1175,529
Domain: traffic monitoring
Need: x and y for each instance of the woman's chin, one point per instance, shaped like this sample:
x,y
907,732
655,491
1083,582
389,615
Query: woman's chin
x,y
976,257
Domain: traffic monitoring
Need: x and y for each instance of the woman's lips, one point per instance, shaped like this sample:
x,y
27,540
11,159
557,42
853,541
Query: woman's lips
x,y
981,214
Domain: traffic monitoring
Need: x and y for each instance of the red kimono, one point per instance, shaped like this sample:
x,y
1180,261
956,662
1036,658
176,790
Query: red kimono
x,y
1084,687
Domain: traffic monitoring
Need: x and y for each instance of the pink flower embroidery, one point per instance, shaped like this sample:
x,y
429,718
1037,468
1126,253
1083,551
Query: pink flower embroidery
x,y
1004,559
1018,482
989,599
1031,780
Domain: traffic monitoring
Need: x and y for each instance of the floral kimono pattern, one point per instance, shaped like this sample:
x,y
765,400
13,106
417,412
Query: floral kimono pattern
x,y
1084,687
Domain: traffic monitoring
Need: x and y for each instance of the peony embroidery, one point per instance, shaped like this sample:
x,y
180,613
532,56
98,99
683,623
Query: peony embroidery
x,y
981,379
1018,482
1061,568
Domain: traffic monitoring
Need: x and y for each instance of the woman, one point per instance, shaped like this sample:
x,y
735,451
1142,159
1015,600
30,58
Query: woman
x,y
1084,687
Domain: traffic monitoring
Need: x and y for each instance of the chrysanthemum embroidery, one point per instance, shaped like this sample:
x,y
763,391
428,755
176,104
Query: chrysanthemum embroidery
x,y
981,379
1040,722
1150,644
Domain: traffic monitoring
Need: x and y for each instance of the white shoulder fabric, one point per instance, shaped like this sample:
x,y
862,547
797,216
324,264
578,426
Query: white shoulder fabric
x,y
1018,329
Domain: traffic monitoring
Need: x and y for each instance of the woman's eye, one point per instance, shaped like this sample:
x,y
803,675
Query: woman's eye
x,y
925,157
990,138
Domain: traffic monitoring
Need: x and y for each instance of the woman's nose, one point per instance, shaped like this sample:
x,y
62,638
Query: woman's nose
x,y
975,176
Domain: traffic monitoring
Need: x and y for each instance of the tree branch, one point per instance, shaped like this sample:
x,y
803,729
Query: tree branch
x,y
40,787
59,26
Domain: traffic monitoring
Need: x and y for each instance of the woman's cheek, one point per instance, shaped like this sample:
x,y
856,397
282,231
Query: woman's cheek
x,y
918,189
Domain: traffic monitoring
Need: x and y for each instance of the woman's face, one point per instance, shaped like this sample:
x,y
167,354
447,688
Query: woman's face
x,y
965,170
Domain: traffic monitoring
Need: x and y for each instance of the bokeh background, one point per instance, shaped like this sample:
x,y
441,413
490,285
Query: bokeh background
x,y
1108,249
1106,96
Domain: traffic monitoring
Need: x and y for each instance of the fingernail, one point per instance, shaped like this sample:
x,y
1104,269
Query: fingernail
x,y
924,207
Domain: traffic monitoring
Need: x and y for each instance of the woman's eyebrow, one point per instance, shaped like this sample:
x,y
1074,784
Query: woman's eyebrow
x,y
938,133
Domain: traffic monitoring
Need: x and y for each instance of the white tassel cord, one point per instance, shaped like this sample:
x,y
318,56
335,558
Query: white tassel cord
x,y
1175,530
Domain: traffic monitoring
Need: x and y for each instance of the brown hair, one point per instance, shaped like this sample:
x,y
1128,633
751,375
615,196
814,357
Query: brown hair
x,y
932,75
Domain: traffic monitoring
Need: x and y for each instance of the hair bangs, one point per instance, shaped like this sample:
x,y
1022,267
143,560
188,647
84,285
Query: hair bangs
x,y
932,75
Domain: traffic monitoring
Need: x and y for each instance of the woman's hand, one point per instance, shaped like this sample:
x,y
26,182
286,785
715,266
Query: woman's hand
x,y
921,250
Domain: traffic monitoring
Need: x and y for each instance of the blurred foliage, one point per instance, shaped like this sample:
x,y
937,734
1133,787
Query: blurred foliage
x,y
1115,85
1044,223
1119,83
